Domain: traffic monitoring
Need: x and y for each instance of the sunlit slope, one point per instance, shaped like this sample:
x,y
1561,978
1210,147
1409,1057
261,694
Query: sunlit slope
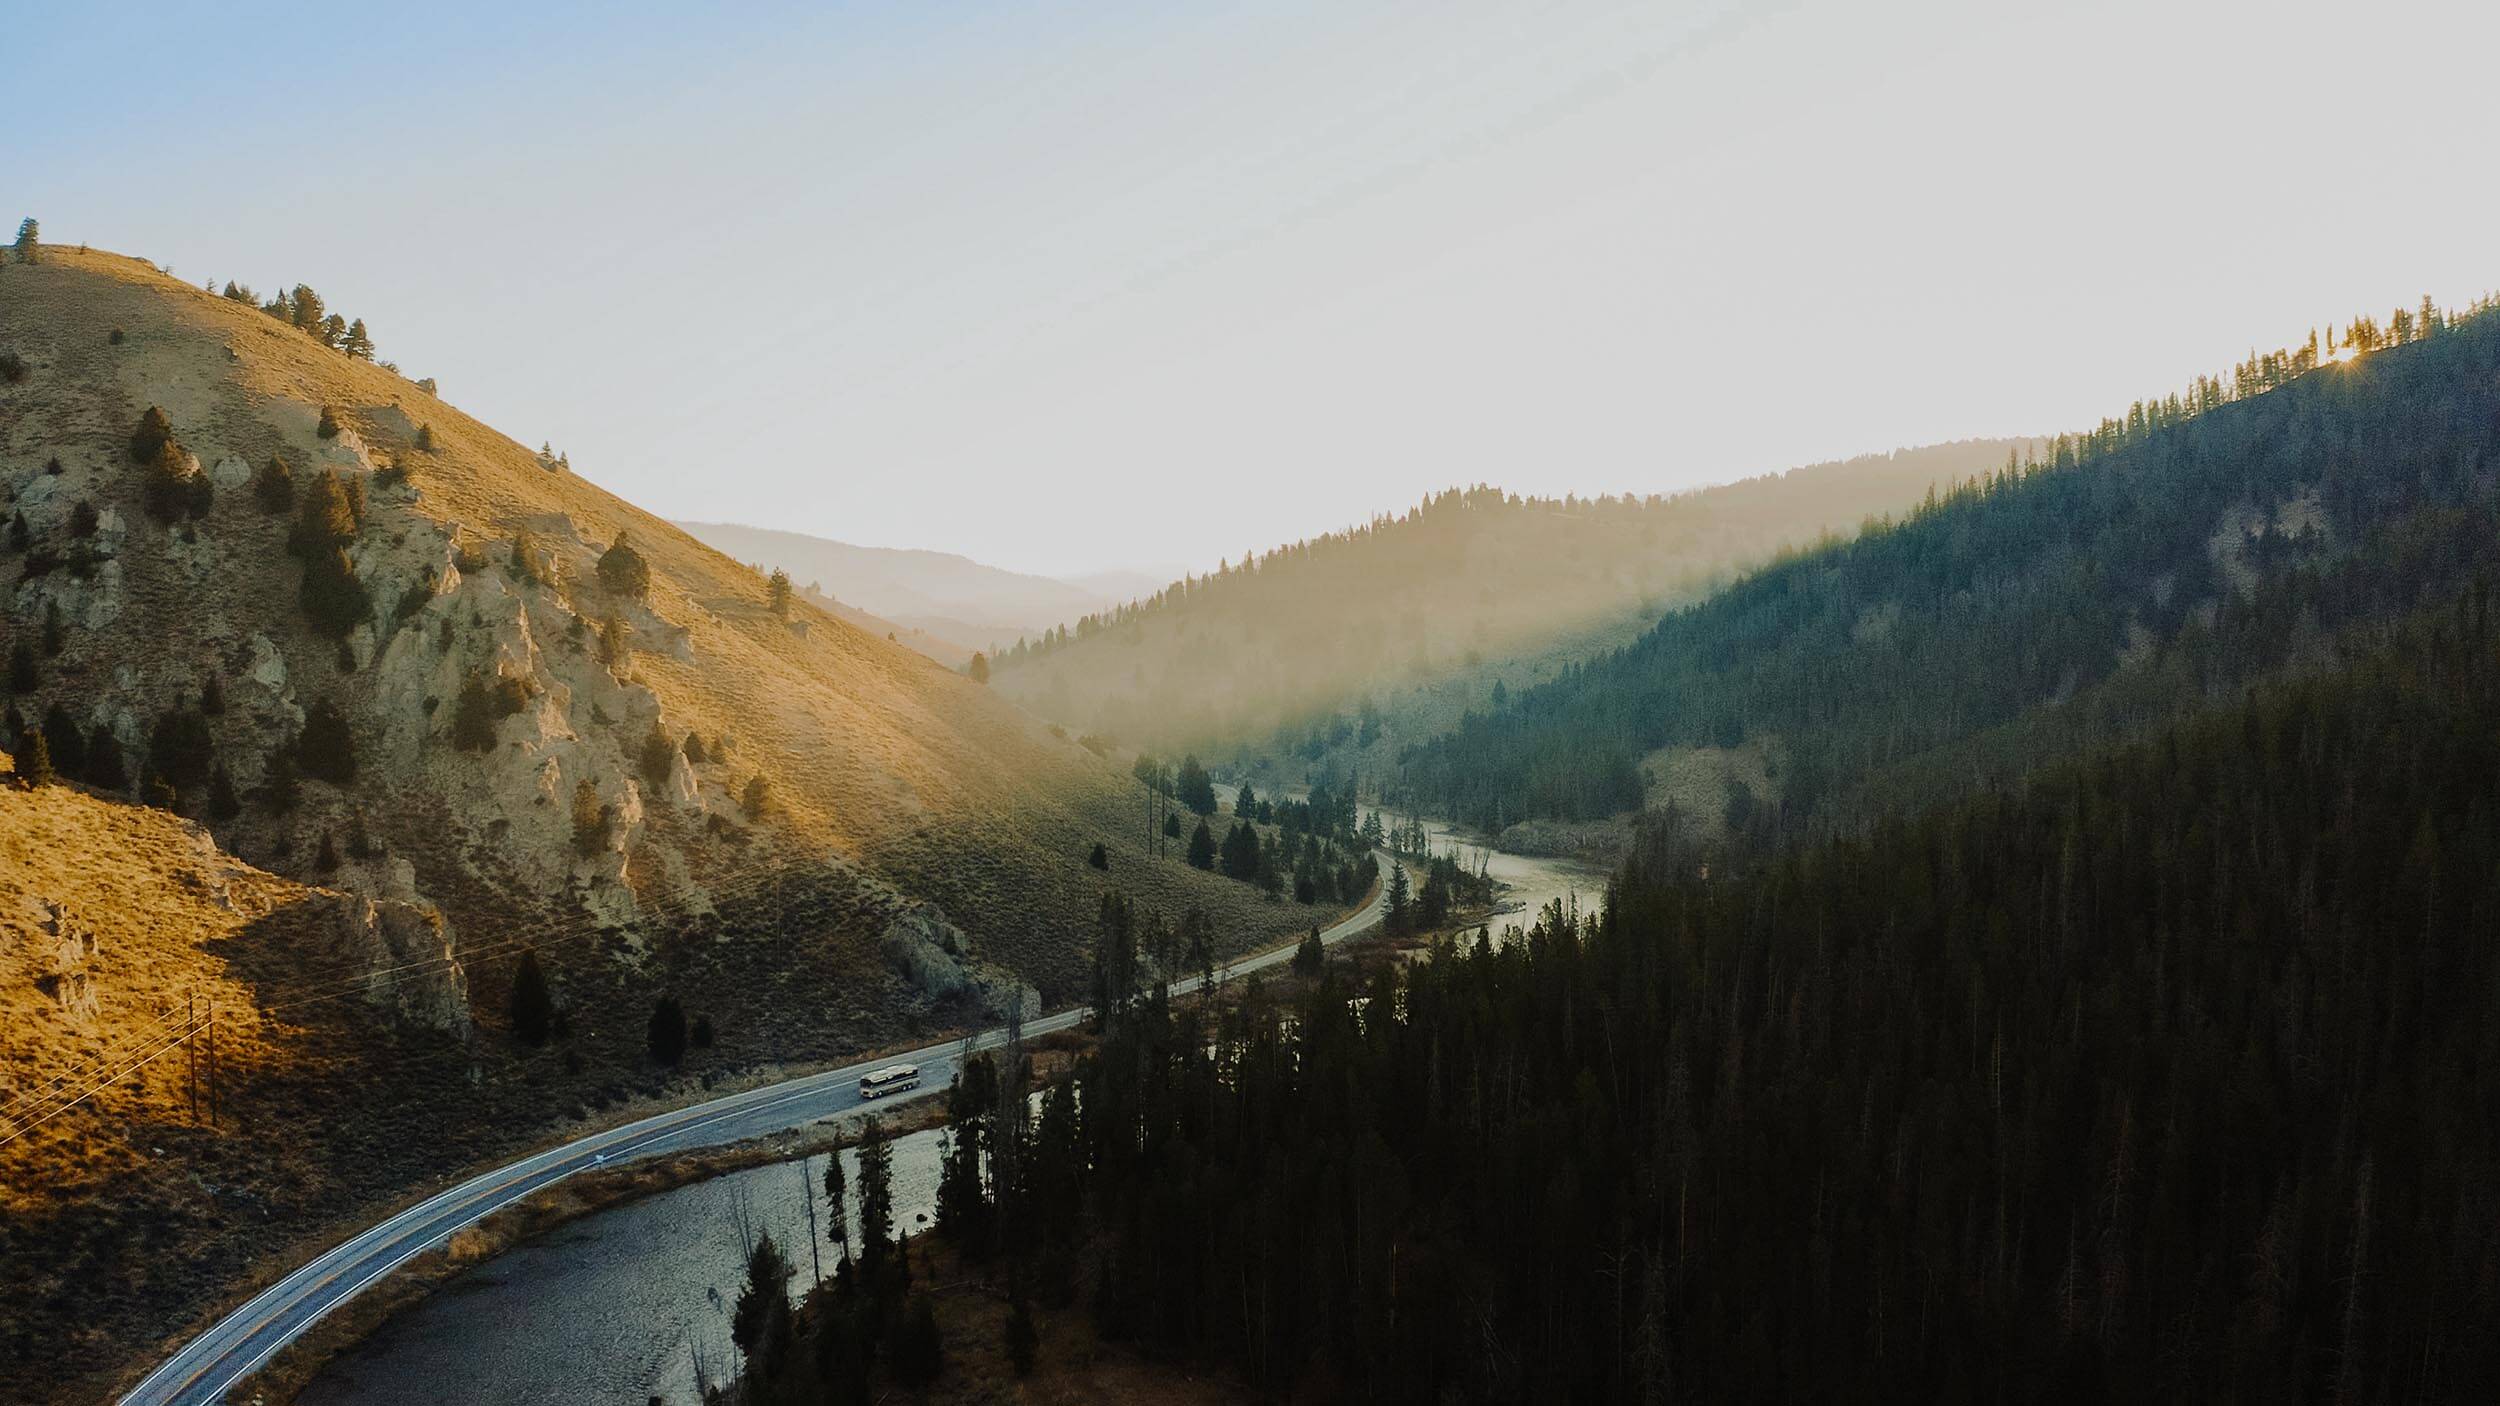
x,y
1419,614
872,755
2269,523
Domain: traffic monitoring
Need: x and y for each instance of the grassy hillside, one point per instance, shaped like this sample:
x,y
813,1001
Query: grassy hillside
x,y
2202,544
408,677
1341,649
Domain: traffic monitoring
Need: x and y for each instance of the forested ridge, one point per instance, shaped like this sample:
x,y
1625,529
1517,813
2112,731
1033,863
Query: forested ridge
x,y
1339,649
2167,559
2167,1074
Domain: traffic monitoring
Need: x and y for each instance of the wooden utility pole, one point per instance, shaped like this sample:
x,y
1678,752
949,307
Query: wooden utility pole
x,y
191,1050
212,1062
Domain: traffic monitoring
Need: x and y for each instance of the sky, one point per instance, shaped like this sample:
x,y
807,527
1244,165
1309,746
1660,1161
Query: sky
x,y
1079,287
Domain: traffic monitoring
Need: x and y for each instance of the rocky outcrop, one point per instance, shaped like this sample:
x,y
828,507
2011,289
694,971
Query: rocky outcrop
x,y
404,951
67,960
936,958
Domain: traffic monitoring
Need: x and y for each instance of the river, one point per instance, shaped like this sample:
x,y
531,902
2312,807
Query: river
x,y
616,1306
611,1308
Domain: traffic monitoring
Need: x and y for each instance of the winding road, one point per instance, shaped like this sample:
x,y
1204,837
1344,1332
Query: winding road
x,y
210,1365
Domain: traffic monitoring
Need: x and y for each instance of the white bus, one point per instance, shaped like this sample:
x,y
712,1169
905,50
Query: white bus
x,y
892,1079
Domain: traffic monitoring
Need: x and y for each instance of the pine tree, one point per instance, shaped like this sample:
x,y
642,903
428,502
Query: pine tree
x,y
590,819
623,572
1195,788
34,758
777,592
223,804
1202,847
326,749
656,757
279,790
358,342
979,668
24,677
760,1324
665,1036
149,439
106,770
533,1007
758,798
1024,1344
1309,956
837,1207
1399,916
472,717
273,485
918,1352
62,738
1100,858
29,241
876,1196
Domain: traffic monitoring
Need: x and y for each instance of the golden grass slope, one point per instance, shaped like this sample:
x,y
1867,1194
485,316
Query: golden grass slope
x,y
878,757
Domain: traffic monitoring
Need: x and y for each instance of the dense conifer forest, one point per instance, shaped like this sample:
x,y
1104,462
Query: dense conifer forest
x,y
2166,1074
2108,1010
2166,560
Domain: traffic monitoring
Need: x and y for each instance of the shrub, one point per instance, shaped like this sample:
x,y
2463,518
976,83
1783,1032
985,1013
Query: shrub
x,y
360,845
150,438
12,368
623,572
105,769
331,514
391,475
160,794
524,560
533,1007
613,646
472,718
181,751
1024,1345
62,739
665,1036
979,668
334,599
326,860
279,789
655,757
1100,858
693,748
170,486
213,695
702,1036
114,337
590,819
223,804
759,796
329,426
84,519
326,750
273,485
34,758
425,438
24,677
919,1354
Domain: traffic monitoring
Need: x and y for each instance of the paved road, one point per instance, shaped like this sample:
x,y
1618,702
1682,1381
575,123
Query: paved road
x,y
211,1364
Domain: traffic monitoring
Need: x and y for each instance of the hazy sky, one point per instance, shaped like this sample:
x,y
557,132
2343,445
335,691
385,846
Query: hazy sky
x,y
1077,286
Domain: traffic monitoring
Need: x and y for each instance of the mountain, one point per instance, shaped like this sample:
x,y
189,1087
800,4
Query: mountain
x,y
2206,543
949,596
2099,1004
1339,649
368,645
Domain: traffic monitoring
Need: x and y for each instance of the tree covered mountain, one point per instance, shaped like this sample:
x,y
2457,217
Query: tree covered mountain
x,y
2201,544
2111,1017
1342,648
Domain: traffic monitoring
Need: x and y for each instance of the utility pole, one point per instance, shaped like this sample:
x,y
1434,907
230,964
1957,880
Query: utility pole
x,y
212,1061
191,1051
